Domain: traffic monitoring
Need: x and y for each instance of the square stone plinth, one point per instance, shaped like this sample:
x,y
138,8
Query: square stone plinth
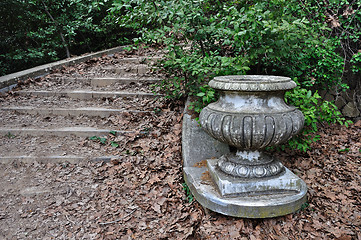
x,y
235,186
246,205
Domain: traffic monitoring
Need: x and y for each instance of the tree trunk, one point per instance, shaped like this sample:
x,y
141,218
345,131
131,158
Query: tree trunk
x,y
60,32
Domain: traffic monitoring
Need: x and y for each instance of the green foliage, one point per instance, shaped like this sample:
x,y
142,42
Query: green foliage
x,y
189,195
304,206
39,31
212,38
315,112
356,62
114,133
344,150
102,140
207,95
343,18
10,135
114,144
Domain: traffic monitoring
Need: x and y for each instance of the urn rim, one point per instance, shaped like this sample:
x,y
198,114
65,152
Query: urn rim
x,y
252,83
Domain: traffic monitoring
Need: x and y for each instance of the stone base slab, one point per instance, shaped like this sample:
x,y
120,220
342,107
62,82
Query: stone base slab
x,y
247,206
285,182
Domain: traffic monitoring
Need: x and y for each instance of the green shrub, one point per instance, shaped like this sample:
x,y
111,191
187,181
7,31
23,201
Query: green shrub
x,y
315,111
343,18
212,38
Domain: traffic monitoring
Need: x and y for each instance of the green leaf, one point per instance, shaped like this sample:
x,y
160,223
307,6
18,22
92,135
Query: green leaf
x,y
114,144
94,138
344,150
103,140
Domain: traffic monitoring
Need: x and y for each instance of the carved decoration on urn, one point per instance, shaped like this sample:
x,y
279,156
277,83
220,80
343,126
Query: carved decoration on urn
x,y
251,114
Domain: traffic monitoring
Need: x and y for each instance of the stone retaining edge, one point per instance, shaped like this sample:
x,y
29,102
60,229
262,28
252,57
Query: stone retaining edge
x,y
10,81
197,145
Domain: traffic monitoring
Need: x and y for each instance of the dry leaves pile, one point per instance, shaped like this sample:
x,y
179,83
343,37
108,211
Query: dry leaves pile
x,y
140,194
332,173
141,197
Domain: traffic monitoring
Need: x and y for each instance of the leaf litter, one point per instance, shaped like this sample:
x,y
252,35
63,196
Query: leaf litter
x,y
139,194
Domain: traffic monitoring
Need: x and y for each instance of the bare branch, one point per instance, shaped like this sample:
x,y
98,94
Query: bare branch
x,y
60,32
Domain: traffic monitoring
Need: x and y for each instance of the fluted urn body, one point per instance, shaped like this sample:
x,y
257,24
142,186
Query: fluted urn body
x,y
250,115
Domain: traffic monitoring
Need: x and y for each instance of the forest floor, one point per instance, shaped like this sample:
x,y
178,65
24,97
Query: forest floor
x,y
140,194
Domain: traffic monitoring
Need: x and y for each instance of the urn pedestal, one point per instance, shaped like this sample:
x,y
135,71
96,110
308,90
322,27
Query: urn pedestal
x,y
250,115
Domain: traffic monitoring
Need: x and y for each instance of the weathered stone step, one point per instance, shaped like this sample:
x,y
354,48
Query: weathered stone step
x,y
59,132
139,59
65,102
99,125
50,148
86,94
99,85
86,111
136,69
108,81
132,88
53,159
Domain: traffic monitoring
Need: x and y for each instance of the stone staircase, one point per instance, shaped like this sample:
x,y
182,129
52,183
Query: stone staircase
x,y
53,119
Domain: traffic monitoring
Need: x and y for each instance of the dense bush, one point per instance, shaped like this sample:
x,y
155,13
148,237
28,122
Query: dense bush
x,y
211,38
344,19
34,32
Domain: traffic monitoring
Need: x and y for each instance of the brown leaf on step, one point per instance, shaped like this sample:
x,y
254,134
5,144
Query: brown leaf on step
x,y
201,164
206,178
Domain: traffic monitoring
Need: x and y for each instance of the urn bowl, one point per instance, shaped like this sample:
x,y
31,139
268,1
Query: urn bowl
x,y
251,113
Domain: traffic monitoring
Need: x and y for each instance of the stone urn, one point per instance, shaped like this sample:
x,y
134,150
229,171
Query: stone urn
x,y
250,115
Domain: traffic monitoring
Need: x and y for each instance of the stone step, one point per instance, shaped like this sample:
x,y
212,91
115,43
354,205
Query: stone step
x,y
108,81
137,69
86,94
86,111
53,159
138,60
58,148
80,125
99,85
145,104
59,132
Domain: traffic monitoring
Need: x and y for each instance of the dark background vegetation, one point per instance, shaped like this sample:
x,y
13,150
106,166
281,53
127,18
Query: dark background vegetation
x,y
38,31
35,32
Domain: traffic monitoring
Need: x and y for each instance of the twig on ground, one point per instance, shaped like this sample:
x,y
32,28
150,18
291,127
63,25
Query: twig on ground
x,y
66,216
118,220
